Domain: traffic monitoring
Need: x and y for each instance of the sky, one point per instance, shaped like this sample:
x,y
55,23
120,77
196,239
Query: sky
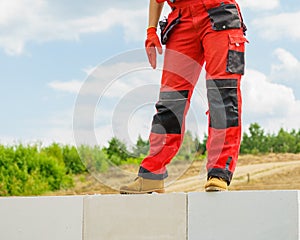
x,y
52,53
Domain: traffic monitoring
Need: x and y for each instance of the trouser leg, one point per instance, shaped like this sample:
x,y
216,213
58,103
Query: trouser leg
x,y
168,125
180,74
224,100
166,133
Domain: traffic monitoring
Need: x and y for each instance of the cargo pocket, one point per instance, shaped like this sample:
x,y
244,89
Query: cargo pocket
x,y
236,54
226,16
167,25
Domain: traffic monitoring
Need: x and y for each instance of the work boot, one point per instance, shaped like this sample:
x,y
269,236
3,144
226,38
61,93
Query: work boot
x,y
215,184
143,185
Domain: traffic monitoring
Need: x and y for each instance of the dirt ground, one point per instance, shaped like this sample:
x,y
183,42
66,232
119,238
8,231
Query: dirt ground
x,y
259,172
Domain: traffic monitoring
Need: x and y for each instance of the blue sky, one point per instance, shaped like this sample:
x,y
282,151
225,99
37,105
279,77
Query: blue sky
x,y
49,49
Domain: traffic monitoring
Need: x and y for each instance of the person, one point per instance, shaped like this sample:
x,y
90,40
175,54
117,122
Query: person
x,y
196,32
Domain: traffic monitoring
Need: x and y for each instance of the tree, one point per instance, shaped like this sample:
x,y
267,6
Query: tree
x,y
72,160
201,146
141,147
285,142
256,142
116,151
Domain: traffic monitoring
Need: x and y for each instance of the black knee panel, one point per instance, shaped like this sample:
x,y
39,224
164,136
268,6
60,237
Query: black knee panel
x,y
170,112
223,103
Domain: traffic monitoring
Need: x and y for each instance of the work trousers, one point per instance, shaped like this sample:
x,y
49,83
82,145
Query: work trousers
x,y
197,32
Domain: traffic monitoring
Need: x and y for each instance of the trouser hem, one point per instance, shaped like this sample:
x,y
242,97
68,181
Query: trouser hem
x,y
220,173
144,173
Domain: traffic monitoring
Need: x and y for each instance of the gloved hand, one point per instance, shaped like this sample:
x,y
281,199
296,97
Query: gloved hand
x,y
152,43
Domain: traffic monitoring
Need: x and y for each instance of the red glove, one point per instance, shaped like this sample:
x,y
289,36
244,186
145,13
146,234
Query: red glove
x,y
152,42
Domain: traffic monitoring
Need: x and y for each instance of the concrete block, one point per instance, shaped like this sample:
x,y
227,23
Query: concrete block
x,y
135,217
258,215
298,215
36,218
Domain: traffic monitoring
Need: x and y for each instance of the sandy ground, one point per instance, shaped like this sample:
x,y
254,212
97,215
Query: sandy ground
x,y
259,172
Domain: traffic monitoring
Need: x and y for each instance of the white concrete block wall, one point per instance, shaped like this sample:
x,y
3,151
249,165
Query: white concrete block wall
x,y
258,215
135,217
42,218
298,214
261,215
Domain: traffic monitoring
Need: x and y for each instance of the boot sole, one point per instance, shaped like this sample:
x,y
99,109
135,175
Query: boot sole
x,y
215,189
142,192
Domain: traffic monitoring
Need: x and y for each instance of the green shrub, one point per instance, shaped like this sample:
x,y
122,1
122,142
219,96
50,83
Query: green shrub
x,y
94,158
24,170
72,160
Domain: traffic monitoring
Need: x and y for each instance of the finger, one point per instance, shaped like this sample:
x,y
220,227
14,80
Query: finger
x,y
158,46
148,54
159,49
152,59
151,56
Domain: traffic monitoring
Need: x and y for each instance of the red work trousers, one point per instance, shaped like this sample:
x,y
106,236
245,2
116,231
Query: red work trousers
x,y
210,32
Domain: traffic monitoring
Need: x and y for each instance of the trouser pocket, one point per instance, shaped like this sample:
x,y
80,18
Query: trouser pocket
x,y
167,25
226,16
236,54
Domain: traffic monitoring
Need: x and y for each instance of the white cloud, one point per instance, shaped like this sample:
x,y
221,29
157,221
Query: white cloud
x,y
71,86
114,79
287,71
259,5
287,59
283,25
270,104
23,21
264,98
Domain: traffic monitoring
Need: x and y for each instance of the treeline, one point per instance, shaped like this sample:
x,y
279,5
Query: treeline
x,y
34,170
257,141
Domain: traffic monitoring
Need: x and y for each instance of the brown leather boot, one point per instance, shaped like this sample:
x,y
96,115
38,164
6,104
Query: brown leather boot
x,y
215,184
143,185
